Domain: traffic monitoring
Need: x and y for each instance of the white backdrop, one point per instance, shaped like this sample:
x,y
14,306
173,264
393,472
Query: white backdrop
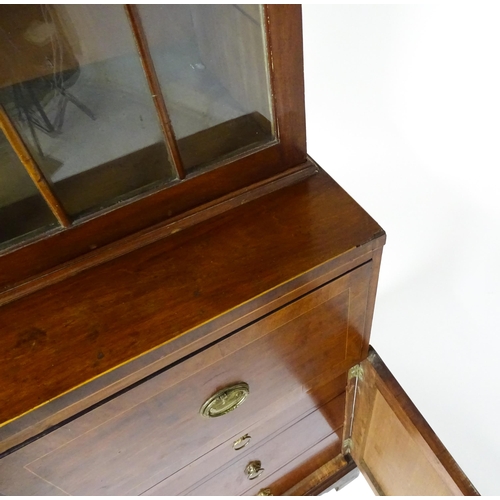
x,y
403,110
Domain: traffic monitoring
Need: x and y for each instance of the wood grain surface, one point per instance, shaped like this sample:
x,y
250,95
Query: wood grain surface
x,y
150,234
214,462
274,454
155,429
394,446
334,474
68,333
302,466
250,269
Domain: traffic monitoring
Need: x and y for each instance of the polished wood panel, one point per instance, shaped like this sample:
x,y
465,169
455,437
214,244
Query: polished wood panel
x,y
301,467
285,40
92,321
276,452
91,393
208,465
393,445
156,426
376,262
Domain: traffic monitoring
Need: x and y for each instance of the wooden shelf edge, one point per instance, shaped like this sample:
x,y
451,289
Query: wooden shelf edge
x,y
335,474
158,232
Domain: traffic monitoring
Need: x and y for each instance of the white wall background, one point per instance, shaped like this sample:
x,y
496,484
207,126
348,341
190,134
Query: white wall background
x,y
403,110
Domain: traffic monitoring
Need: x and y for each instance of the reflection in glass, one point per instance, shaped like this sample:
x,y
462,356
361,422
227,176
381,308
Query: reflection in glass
x,y
22,209
72,82
212,65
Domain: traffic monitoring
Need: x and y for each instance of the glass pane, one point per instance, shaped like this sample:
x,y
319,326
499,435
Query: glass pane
x,y
72,81
23,211
212,65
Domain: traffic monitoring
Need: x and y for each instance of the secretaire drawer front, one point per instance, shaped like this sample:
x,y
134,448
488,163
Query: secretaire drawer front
x,y
252,437
155,428
260,463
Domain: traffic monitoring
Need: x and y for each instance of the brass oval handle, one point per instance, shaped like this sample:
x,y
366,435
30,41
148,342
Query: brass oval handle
x,y
241,442
225,400
266,492
254,469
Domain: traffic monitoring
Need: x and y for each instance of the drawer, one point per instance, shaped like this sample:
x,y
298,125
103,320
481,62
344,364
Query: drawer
x,y
277,452
224,455
154,429
300,467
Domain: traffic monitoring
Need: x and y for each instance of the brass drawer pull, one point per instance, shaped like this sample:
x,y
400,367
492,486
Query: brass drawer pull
x,y
254,469
241,442
266,492
225,400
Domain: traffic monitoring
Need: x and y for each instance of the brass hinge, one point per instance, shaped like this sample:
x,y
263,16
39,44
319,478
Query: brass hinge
x,y
347,446
355,372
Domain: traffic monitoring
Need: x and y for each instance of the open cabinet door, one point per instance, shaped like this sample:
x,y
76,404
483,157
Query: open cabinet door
x,y
392,444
